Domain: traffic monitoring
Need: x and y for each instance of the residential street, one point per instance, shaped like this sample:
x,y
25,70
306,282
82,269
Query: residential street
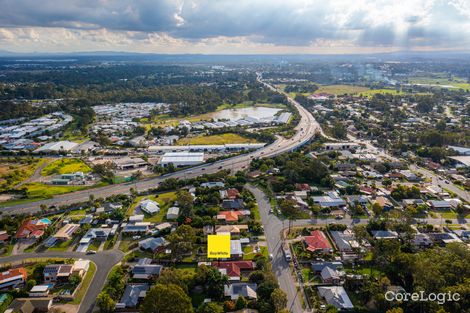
x,y
104,262
272,229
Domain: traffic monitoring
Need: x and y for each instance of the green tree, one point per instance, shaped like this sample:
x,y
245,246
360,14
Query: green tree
x,y
290,210
241,303
105,303
210,307
279,299
166,299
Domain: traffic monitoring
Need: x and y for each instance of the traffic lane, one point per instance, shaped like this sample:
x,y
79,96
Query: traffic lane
x,y
280,267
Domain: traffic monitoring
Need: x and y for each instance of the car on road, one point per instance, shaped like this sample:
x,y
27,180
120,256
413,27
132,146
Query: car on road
x,y
220,167
271,211
91,252
203,169
271,257
446,181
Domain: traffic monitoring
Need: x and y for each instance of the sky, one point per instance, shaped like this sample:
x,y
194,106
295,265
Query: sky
x,y
234,27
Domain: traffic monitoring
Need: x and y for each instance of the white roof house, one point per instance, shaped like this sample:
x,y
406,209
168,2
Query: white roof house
x,y
149,206
182,158
173,213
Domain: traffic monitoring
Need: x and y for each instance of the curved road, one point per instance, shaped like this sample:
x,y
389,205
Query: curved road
x,y
305,130
104,262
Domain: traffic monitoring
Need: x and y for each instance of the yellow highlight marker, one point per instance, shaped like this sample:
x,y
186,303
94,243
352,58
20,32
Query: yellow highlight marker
x,y
218,246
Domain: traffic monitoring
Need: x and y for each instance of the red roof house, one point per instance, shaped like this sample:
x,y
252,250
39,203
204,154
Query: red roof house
x,y
13,277
4,236
31,229
229,216
233,269
317,242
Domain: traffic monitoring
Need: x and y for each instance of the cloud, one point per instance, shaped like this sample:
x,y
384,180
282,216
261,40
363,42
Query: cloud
x,y
186,24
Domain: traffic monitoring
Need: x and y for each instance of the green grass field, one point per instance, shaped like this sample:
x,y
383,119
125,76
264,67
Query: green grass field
x,y
215,140
442,79
65,166
15,171
43,191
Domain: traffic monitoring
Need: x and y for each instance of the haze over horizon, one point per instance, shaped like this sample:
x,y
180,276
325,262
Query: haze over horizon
x,y
228,27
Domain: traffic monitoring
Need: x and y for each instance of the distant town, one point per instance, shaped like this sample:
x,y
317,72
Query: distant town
x,y
343,186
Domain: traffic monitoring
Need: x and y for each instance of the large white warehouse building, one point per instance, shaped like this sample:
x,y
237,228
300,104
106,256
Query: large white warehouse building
x,y
182,158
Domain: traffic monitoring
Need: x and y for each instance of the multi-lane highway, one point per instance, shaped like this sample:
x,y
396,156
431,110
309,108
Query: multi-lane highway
x,y
305,130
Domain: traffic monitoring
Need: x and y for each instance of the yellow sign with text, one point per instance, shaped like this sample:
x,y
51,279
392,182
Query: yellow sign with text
x,y
218,246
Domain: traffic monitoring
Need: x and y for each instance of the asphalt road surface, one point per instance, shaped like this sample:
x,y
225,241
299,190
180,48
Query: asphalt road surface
x,y
305,130
272,230
104,262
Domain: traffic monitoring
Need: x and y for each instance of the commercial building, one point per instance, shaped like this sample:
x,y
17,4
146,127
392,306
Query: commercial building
x,y
179,159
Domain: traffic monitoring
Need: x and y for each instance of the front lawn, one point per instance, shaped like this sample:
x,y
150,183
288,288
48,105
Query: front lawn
x,y
62,246
85,284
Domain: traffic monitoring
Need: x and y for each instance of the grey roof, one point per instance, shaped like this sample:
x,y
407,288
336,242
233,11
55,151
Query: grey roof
x,y
336,296
232,204
152,243
145,268
318,267
247,290
133,293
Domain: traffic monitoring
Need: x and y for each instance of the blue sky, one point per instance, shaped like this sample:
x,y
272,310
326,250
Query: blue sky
x,y
234,27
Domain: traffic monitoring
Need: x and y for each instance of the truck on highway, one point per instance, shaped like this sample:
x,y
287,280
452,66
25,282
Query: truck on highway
x,y
286,250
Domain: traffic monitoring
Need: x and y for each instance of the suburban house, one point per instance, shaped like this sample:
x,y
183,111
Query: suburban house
x,y
133,294
13,277
231,193
317,242
100,234
136,228
36,305
40,291
384,234
330,276
136,218
384,203
440,204
331,200
232,204
144,269
54,273
235,290
336,296
318,267
236,250
66,232
173,213
153,244
344,240
231,229
4,237
149,206
32,229
229,216
233,269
